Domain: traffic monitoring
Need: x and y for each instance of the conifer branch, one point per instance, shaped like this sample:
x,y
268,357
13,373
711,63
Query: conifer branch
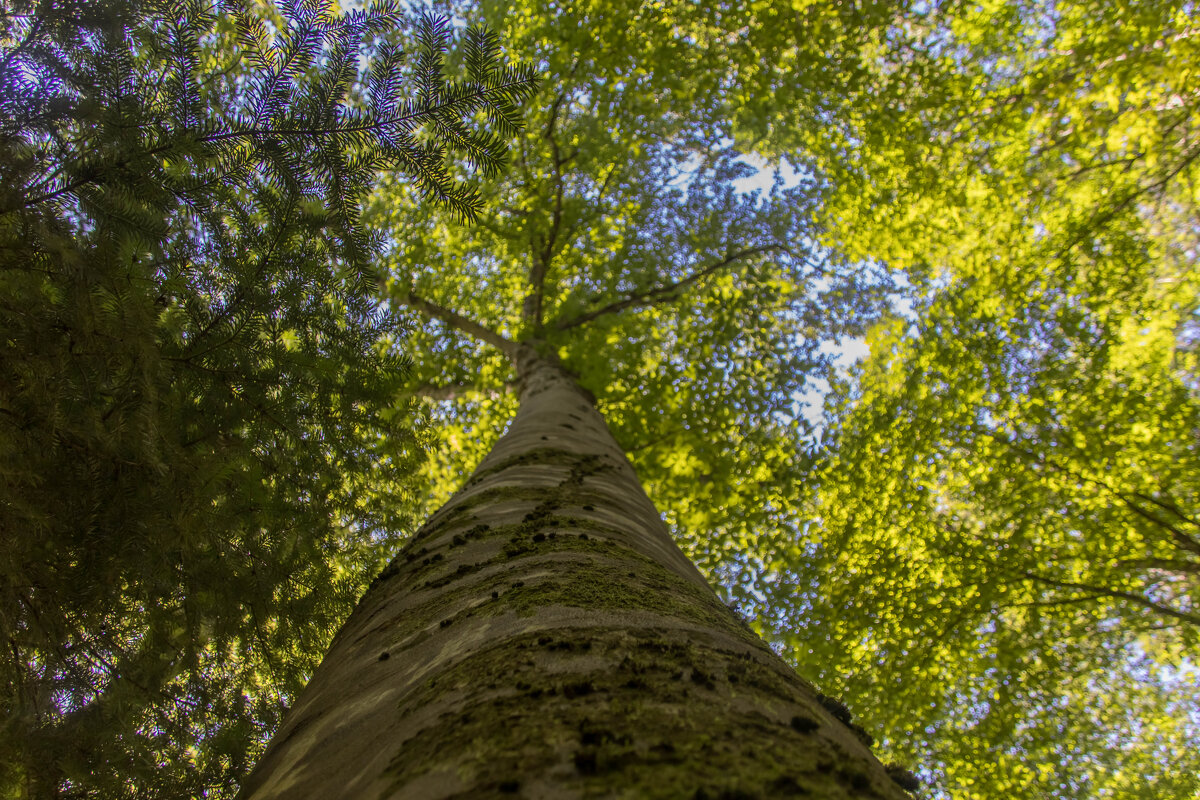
x,y
467,102
190,264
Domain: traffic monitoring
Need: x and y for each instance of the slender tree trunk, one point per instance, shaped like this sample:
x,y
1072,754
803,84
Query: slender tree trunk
x,y
542,636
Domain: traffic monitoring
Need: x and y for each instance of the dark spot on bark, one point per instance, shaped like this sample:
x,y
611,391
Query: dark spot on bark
x,y
631,574
539,537
446,623
824,766
551,535
903,778
543,640
857,779
589,508
787,786
577,689
583,536
384,656
458,541
803,724
545,438
663,749
518,584
509,787
835,707
495,595
585,762
634,683
568,425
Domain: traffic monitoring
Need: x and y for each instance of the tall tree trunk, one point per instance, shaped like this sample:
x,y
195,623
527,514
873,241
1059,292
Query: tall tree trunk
x,y
543,636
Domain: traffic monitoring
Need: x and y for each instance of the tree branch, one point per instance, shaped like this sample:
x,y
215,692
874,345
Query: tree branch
x,y
1182,539
460,323
1103,218
532,310
541,260
454,391
652,296
1098,591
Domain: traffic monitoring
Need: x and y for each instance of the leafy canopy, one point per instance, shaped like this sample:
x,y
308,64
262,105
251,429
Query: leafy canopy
x,y
1003,572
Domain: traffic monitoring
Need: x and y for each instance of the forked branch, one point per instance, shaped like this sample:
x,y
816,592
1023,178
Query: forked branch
x,y
543,249
1117,594
668,292
460,323
454,391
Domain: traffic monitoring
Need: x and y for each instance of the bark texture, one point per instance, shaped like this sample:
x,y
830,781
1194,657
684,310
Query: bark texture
x,y
542,636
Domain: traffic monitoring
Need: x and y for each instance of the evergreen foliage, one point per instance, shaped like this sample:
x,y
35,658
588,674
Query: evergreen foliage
x,y
199,438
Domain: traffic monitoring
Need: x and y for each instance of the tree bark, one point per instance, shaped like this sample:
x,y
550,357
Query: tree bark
x,y
542,636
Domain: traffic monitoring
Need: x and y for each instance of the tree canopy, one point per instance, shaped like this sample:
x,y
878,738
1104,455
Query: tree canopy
x,y
242,358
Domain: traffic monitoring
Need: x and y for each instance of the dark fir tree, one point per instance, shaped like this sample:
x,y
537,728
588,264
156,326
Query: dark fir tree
x,y
195,379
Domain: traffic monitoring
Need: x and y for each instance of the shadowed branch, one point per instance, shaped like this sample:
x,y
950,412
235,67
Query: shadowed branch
x,y
457,321
668,292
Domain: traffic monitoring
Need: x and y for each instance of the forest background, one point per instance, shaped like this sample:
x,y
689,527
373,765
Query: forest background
x,y
986,539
